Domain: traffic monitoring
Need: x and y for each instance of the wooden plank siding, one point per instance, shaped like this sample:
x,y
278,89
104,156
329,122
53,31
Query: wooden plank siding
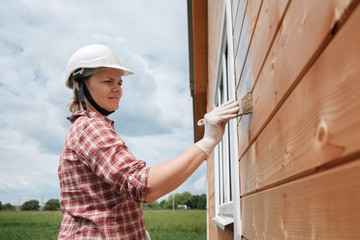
x,y
320,206
320,121
300,148
269,21
304,33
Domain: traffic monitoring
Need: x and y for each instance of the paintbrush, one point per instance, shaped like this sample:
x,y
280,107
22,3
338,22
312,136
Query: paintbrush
x,y
246,107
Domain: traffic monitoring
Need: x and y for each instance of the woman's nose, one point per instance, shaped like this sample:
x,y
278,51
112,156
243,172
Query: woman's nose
x,y
116,88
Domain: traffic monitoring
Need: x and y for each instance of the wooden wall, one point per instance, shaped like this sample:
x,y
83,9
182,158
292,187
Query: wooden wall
x,y
299,152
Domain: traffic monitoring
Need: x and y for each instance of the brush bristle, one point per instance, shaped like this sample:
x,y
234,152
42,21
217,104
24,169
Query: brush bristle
x,y
246,104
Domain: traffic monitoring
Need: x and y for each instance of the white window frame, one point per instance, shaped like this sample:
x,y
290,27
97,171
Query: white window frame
x,y
227,199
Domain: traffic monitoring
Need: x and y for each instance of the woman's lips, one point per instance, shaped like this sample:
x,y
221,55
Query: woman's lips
x,y
114,98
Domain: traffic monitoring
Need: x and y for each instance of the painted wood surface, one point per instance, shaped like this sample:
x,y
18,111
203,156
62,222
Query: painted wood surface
x,y
247,29
322,206
300,39
320,121
238,23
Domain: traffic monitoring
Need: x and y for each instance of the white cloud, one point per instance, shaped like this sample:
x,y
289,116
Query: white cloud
x,y
200,184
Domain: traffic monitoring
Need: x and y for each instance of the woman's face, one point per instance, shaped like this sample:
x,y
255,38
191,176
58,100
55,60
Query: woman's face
x,y
105,88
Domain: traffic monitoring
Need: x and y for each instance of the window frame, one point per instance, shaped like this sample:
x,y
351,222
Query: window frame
x,y
227,183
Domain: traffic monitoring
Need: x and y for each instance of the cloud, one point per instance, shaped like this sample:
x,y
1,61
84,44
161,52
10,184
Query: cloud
x,y
200,184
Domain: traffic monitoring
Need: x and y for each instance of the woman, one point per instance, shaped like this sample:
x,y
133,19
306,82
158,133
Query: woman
x,y
102,183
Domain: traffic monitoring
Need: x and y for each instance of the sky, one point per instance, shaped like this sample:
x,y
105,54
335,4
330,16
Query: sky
x,y
37,39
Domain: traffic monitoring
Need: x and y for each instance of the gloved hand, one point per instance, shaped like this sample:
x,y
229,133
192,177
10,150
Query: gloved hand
x,y
215,122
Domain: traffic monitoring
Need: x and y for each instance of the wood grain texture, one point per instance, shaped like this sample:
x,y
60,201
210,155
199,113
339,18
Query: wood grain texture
x,y
323,206
305,27
200,56
215,17
270,18
318,124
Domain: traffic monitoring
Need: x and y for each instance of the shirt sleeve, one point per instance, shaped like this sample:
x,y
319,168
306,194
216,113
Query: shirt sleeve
x,y
102,150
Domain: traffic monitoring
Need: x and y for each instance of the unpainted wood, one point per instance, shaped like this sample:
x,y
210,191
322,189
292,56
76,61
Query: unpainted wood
x,y
200,63
322,206
270,17
318,124
305,27
215,17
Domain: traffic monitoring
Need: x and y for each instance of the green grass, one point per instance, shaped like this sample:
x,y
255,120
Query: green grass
x,y
161,224
180,224
29,225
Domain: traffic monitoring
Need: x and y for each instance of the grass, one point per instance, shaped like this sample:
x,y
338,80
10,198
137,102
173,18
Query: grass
x,y
161,224
180,224
29,225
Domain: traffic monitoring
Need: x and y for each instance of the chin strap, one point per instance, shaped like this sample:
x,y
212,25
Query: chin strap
x,y
83,91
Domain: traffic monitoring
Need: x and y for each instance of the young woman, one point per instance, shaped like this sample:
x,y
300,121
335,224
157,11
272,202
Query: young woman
x,y
102,183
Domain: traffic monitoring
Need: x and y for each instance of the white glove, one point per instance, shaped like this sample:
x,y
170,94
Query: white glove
x,y
215,122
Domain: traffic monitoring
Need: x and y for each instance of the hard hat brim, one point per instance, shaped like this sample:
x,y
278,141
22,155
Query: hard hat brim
x,y
124,72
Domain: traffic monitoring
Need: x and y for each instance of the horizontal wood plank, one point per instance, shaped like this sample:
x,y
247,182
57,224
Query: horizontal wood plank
x,y
305,27
323,206
318,124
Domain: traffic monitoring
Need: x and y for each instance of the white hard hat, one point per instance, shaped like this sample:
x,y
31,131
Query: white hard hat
x,y
93,56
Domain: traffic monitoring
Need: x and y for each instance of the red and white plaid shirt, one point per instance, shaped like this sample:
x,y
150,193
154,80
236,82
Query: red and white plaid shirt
x,y
102,183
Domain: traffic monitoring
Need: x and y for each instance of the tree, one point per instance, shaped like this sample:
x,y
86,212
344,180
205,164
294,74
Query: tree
x,y
0,206
150,206
162,204
31,205
185,199
52,205
201,203
8,207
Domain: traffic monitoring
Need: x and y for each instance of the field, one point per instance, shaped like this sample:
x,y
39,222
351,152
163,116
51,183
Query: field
x,y
161,224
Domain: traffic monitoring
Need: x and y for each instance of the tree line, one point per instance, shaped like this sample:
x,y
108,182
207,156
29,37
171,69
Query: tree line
x,y
183,200
33,205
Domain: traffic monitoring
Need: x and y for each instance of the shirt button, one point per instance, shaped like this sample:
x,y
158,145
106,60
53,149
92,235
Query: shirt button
x,y
131,178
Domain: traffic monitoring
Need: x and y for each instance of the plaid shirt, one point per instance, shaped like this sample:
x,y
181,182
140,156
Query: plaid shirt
x,y
102,183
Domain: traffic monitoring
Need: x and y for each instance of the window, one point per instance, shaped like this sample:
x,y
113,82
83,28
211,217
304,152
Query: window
x,y
227,190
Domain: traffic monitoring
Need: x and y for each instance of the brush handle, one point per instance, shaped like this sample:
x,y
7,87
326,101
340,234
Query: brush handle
x,y
201,122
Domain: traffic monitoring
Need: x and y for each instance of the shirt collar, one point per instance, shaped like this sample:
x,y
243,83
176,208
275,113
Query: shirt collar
x,y
90,114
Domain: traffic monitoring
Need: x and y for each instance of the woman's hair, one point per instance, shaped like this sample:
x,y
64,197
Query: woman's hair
x,y
74,105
